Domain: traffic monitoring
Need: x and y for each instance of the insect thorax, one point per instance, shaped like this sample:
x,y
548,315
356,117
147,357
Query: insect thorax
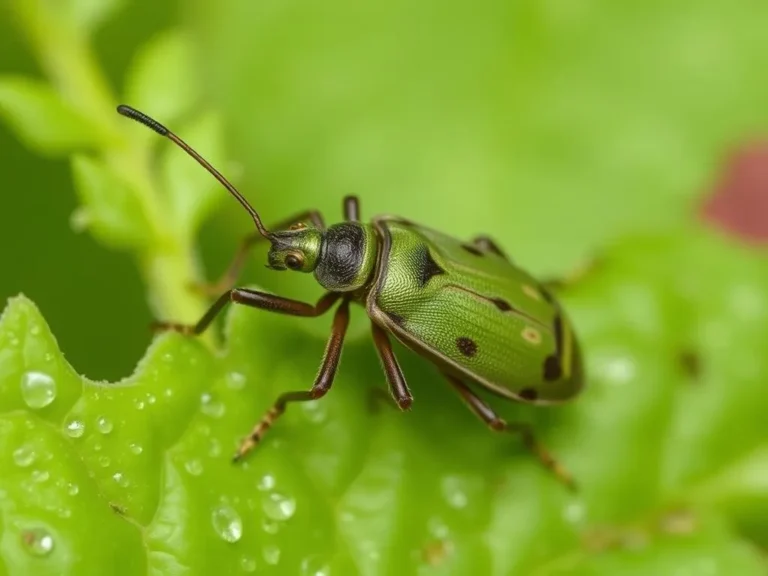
x,y
347,257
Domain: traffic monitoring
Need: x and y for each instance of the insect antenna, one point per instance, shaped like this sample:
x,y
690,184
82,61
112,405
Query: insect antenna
x,y
142,118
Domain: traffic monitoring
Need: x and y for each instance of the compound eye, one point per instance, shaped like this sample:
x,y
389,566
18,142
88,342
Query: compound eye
x,y
294,261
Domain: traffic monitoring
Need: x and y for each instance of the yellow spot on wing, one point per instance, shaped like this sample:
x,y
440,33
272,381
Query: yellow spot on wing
x,y
531,292
532,335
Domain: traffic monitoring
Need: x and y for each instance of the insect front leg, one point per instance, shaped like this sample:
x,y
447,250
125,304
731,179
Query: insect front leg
x,y
229,277
254,299
487,415
351,209
320,388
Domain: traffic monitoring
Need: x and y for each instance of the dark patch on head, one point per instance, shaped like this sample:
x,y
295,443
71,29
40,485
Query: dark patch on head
x,y
472,249
690,362
528,394
502,305
466,346
341,256
552,368
426,266
396,318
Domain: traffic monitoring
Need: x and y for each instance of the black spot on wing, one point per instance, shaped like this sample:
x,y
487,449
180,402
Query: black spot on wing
x,y
528,394
426,266
466,346
501,304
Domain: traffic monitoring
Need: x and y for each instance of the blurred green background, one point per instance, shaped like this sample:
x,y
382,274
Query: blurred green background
x,y
553,126
563,129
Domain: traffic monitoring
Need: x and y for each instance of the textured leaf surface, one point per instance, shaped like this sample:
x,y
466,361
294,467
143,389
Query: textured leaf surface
x,y
142,468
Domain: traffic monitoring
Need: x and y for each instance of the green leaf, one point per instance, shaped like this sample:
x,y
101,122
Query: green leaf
x,y
42,120
192,193
337,486
161,80
111,208
89,14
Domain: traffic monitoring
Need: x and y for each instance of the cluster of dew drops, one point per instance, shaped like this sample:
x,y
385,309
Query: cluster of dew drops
x,y
38,390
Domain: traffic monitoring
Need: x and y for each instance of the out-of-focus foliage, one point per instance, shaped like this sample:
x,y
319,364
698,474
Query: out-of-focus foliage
x,y
559,130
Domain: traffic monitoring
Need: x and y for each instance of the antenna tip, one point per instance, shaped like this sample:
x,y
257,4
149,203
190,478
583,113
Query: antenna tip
x,y
134,114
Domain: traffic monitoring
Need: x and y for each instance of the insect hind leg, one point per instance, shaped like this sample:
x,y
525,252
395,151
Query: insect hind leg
x,y
483,411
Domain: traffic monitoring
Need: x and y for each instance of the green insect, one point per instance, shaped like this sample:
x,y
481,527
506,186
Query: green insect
x,y
465,307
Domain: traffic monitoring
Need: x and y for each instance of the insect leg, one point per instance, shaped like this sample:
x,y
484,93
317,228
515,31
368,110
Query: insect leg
x,y
397,384
351,209
487,415
322,384
486,244
254,299
233,270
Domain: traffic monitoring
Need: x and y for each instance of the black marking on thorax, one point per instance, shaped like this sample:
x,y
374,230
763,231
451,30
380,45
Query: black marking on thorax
x,y
341,256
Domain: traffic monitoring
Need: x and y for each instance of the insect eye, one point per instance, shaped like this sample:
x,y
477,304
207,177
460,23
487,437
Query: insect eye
x,y
294,261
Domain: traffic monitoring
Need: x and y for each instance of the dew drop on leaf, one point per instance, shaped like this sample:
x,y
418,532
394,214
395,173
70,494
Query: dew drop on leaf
x,y
227,523
37,541
314,566
194,467
270,526
38,389
267,482
247,564
104,461
75,429
139,403
151,399
235,381
72,489
120,479
24,456
210,406
135,448
40,476
104,425
271,554
278,506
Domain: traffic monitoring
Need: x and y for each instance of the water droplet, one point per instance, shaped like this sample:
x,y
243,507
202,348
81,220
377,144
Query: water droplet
x,y
453,492
248,564
104,424
48,357
104,461
37,541
151,399
214,449
72,489
270,526
194,467
168,392
235,381
437,528
314,566
227,523
40,475
97,446
121,480
211,407
34,330
24,456
135,448
267,482
278,506
75,429
167,357
64,512
574,512
38,389
271,554
139,403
